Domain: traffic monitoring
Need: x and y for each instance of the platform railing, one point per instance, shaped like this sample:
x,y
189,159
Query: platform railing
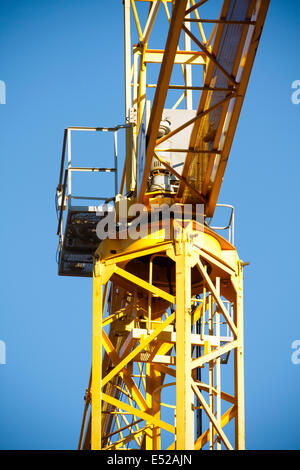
x,y
64,194
229,226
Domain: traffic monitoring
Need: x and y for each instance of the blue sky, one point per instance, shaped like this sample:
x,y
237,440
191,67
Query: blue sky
x,y
62,62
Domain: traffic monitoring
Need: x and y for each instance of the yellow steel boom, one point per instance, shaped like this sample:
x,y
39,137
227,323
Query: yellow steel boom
x,y
168,304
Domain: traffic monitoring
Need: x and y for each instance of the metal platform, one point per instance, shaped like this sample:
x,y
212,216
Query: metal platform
x,y
78,239
77,230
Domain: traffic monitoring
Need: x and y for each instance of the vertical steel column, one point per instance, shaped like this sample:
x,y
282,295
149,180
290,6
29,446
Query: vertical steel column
x,y
153,395
129,167
96,358
184,393
69,168
116,160
239,361
211,371
127,57
218,366
188,67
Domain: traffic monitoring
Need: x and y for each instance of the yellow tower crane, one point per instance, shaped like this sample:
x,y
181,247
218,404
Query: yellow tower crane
x,y
167,344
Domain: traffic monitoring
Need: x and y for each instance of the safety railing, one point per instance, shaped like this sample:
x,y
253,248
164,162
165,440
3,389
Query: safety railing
x,y
64,196
229,226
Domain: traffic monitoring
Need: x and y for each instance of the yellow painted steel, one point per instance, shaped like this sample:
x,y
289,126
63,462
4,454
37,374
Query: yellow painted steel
x,y
184,393
96,360
168,308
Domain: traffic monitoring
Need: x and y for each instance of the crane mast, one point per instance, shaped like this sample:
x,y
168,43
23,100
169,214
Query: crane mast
x,y
167,344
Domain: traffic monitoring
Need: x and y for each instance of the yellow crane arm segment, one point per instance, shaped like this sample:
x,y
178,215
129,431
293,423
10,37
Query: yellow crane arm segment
x,y
226,57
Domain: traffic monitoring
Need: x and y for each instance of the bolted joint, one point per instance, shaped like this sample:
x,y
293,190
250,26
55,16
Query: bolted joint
x,y
88,396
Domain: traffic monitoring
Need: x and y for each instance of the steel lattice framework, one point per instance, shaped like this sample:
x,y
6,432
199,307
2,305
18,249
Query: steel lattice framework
x,y
155,335
168,308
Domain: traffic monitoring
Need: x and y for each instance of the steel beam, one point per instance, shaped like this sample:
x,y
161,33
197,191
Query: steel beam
x,y
162,88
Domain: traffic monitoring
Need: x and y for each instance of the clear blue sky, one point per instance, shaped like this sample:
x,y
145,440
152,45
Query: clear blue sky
x,y
62,62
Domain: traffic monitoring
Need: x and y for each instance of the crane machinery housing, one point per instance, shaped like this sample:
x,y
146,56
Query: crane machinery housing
x,y
167,337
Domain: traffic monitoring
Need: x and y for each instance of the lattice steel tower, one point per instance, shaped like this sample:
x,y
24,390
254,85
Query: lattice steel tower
x,y
167,362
